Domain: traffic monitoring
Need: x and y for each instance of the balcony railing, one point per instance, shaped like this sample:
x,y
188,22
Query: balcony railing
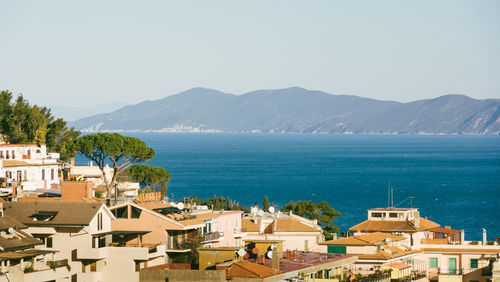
x,y
450,271
212,236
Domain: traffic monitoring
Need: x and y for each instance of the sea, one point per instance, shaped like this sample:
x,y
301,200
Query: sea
x,y
452,180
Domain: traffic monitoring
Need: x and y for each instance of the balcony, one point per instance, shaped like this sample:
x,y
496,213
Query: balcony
x,y
450,272
91,253
89,276
137,253
212,237
238,234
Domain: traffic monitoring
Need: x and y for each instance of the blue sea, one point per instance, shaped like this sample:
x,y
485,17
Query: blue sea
x,y
455,180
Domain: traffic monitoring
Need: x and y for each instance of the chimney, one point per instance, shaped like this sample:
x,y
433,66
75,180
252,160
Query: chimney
x,y
72,161
484,237
276,259
274,224
417,220
14,191
462,236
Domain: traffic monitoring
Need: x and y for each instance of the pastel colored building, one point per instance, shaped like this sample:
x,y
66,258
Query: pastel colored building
x,y
79,235
169,232
376,250
297,233
221,229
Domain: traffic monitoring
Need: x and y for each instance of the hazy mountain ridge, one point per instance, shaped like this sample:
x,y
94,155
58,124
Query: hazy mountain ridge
x,y
300,110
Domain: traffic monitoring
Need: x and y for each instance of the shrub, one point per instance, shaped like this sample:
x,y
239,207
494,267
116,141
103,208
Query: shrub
x,y
490,243
29,269
474,242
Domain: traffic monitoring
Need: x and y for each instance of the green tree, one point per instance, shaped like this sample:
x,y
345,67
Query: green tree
x,y
22,123
152,176
118,150
322,212
265,204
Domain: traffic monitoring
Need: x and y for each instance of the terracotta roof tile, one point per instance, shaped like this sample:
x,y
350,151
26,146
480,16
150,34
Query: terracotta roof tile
x,y
249,225
245,269
397,265
393,225
294,225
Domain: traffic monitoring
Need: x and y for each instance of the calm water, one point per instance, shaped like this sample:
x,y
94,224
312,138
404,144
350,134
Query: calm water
x,y
455,179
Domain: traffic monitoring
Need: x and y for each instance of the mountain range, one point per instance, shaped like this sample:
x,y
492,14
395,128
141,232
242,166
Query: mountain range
x,y
299,110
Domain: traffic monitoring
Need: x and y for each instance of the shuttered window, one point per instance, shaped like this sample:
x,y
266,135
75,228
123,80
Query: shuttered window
x,y
433,262
336,249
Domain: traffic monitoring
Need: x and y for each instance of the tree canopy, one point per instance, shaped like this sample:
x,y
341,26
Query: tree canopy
x,y
322,212
150,176
22,123
115,149
265,204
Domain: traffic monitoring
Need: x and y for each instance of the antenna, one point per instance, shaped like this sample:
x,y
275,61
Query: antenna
x,y
389,194
392,197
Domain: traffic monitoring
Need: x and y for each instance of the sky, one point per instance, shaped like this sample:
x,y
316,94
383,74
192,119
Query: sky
x,y
87,53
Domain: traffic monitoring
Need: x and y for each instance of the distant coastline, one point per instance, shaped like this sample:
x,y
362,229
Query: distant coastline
x,y
299,110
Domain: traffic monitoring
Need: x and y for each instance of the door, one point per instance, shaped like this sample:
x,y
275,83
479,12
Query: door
x,y
452,265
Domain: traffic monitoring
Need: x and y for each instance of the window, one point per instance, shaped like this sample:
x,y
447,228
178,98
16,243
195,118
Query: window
x,y
25,174
378,214
433,262
43,174
1,154
44,216
7,155
49,242
13,154
473,263
52,174
393,214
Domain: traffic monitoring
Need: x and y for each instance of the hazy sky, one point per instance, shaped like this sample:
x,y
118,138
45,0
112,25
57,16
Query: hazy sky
x,y
86,53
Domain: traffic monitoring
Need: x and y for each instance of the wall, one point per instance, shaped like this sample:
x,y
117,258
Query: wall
x,y
157,275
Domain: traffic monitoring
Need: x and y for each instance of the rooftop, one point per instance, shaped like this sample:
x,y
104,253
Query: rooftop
x,y
370,239
393,225
52,213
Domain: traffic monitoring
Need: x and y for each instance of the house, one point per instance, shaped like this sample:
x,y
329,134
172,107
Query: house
x,y
455,259
93,174
79,234
30,166
377,251
399,221
18,258
221,229
303,266
297,233
163,227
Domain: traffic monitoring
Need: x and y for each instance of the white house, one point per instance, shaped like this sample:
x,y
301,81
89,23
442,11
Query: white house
x,y
29,165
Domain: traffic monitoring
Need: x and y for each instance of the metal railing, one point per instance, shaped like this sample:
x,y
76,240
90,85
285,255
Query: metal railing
x,y
212,236
450,271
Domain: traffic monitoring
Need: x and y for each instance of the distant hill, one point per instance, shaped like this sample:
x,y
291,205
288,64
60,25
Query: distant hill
x,y
300,110
70,113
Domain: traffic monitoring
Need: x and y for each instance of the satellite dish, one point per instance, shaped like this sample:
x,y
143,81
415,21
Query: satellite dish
x,y
271,209
241,252
260,213
269,254
273,246
180,205
10,230
254,210
388,240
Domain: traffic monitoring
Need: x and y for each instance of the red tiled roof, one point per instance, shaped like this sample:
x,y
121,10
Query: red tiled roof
x,y
245,269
